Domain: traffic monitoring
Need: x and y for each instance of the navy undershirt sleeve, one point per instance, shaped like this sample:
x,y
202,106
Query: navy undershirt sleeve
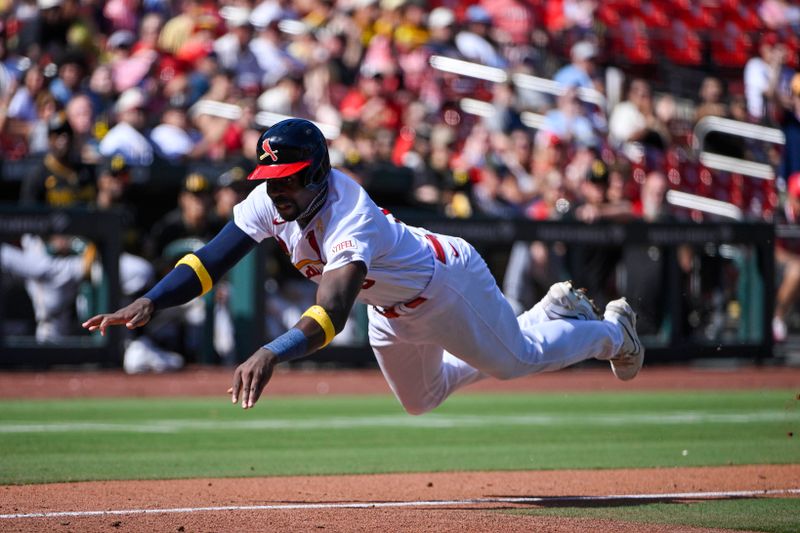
x,y
181,285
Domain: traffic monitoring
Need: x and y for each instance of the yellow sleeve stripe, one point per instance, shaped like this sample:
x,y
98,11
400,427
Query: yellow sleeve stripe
x,y
320,316
193,262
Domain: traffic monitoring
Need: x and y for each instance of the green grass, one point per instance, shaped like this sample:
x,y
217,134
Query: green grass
x,y
770,515
89,439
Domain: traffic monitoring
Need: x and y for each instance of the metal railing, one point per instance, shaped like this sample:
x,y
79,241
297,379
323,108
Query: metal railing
x,y
520,80
737,128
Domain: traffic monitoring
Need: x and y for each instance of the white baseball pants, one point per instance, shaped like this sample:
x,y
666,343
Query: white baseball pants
x,y
466,330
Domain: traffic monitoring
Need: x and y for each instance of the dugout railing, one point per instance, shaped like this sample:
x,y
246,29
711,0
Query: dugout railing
x,y
745,281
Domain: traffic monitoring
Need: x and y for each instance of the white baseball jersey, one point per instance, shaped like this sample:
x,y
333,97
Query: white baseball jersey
x,y
349,227
448,324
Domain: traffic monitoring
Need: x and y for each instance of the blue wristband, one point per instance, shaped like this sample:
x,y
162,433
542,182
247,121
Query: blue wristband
x,y
289,346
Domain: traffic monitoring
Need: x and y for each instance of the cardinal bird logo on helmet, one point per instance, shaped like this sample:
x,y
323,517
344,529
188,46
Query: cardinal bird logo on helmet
x,y
268,151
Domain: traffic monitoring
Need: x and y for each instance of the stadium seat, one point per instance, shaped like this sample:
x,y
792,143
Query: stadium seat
x,y
731,47
632,41
683,45
696,15
655,15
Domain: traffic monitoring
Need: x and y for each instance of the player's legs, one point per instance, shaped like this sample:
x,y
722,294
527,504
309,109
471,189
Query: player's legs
x,y
466,330
468,316
562,301
420,375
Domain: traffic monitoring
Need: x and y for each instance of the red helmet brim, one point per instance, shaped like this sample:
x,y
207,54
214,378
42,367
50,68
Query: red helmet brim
x,y
265,172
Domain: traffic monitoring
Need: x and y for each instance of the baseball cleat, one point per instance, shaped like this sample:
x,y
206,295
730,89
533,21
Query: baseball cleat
x,y
562,301
628,361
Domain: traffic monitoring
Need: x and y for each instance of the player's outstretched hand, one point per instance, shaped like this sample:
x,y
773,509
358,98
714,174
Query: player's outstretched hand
x,y
135,315
252,376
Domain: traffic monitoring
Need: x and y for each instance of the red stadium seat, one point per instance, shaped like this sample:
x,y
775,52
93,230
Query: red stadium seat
x,y
731,47
632,42
683,45
697,16
745,16
609,15
655,15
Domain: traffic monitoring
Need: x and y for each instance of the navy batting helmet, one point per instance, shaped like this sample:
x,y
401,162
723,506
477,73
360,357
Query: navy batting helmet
x,y
291,146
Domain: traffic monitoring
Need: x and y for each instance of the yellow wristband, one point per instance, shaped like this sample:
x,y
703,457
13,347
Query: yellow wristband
x,y
193,262
320,316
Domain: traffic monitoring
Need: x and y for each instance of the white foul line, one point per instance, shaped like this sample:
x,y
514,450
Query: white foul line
x,y
403,421
422,503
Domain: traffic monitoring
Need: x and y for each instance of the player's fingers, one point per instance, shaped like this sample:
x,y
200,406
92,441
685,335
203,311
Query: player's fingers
x,y
255,388
92,322
237,383
259,388
138,320
247,378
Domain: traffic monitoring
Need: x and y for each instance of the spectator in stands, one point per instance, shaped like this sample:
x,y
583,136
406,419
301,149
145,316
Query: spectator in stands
x,y
765,74
212,125
568,123
780,14
474,41
711,99
23,104
506,114
38,136
49,27
172,139
149,29
80,117
787,259
790,124
285,98
267,45
596,203
234,51
441,32
71,72
101,92
513,24
582,70
579,16
370,103
634,120
19,114
712,103
515,152
60,181
490,192
441,21
125,137
128,67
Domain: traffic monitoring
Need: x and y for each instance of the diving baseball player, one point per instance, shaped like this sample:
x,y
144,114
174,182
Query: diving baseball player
x,y
437,320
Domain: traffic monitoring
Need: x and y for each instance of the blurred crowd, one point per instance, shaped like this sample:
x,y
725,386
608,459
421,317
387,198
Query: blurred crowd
x,y
96,89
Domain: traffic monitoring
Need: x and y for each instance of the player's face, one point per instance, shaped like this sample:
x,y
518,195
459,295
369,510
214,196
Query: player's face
x,y
289,196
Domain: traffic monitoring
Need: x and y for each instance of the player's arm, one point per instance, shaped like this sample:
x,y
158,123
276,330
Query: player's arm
x,y
316,328
194,275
